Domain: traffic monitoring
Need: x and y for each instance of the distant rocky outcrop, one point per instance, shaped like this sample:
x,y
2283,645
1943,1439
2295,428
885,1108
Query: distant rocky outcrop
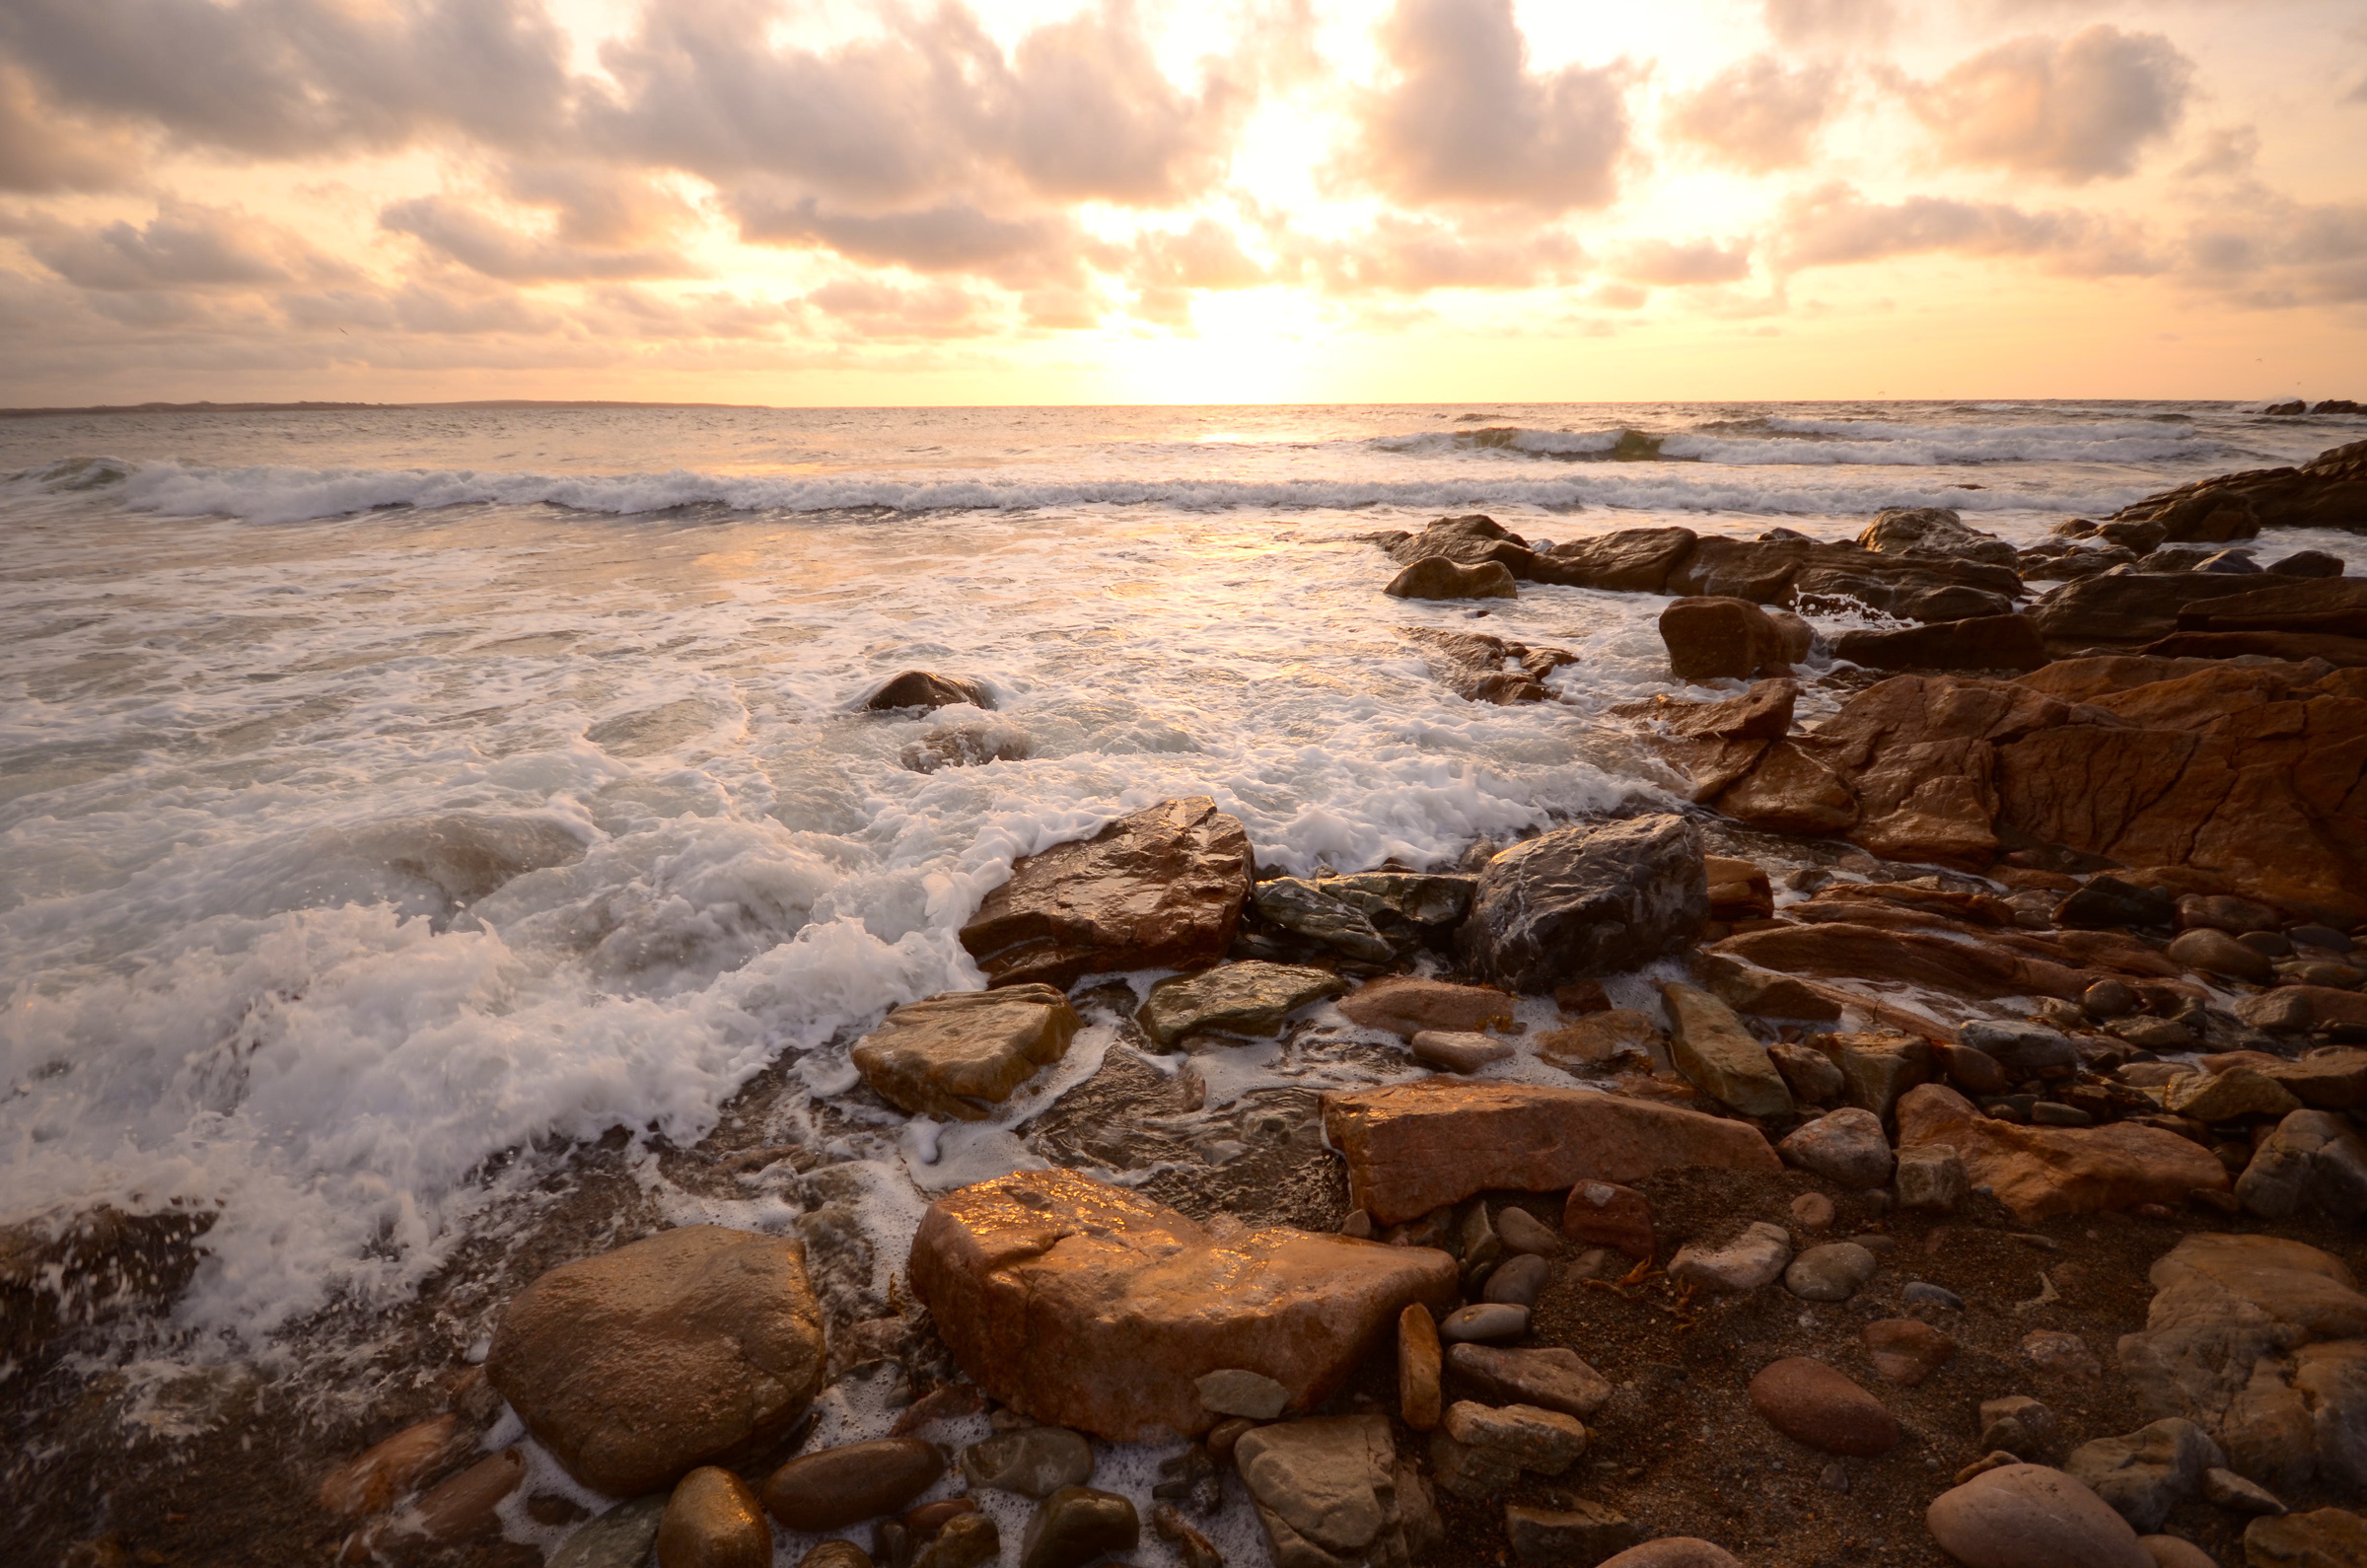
x,y
2330,491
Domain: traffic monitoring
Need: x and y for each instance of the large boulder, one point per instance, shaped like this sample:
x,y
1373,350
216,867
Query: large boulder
x,y
1988,642
2329,491
1934,532
925,688
1723,639
2041,1172
1160,889
1632,560
1436,577
960,1055
1415,1148
1585,901
2127,608
1084,1305
694,1346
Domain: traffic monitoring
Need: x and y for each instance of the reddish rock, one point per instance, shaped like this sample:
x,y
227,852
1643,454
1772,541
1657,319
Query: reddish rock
x,y
1160,889
462,1508
1843,950
958,1055
1673,1551
371,1482
713,1521
1788,789
1812,1404
1084,1305
1985,642
1419,1361
1739,890
1406,1006
925,688
2290,1009
1417,1147
1722,639
2028,1515
1907,1350
1606,1214
2038,1171
855,1482
2327,492
1436,577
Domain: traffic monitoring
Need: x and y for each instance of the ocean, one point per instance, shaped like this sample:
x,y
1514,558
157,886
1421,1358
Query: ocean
x,y
391,798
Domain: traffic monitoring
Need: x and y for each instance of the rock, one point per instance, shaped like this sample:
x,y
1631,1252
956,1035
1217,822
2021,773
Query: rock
x,y
461,1507
1419,1365
1835,1271
2169,1552
1033,1461
2107,901
1673,1551
65,1271
2224,1488
1751,1259
2039,1171
1629,560
1933,532
2020,1050
1607,1214
1482,1322
2314,1159
1846,1146
1076,1525
1311,910
1482,668
2149,1471
1523,1232
2222,912
1712,638
1436,577
371,1482
1907,1350
1786,789
1330,1491
1407,1007
1536,1441
2308,563
2210,952
2028,1515
1808,1074
2106,999
1423,898
845,1485
1086,1305
1595,1041
967,1540
1813,1211
2064,1354
1235,1391
1458,1054
1812,1404
1160,889
639,1365
1878,1068
2129,609
1518,1281
1550,1379
920,689
1739,890
1719,1056
1924,1292
621,1537
1577,1536
1985,642
2330,1537
1585,902
960,1055
1932,1179
713,1521
1197,1550
2017,1423
1251,998
1848,952
2049,1114
1415,1148
2292,1008
2222,1097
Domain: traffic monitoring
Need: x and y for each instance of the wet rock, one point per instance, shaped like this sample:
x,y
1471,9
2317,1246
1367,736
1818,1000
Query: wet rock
x,y
2224,1488
1482,1322
2330,1537
1235,1391
1717,638
1086,1305
1483,668
2039,1171
638,1366
2293,1008
713,1521
845,1485
1310,910
1879,1068
1458,1054
1523,1232
1033,1461
2223,912
1753,1259
1330,1492
1846,1146
1585,901
2105,1000
1436,577
621,1537
1984,642
1197,1550
967,1540
1160,889
1076,1525
1812,1076
1812,1404
1405,1006
371,1482
922,688
1415,1148
1549,1379
1251,998
1786,789
1578,1536
64,1272
960,1055
1594,1042
1720,1057
1931,1177
2021,1050
967,746
1419,1365
2028,1515
1518,1281
1608,1214
2308,563
2314,1159
2147,1472
2223,1097
2130,610
1933,532
1835,1271
2210,952
1418,898
1843,951
461,1507
1907,1350
1628,560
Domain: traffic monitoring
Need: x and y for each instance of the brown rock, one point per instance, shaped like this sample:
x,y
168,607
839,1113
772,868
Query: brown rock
x,y
1160,889
1550,1379
462,1508
1812,1404
2210,952
713,1521
1482,668
2327,492
922,688
2329,1537
1722,639
1673,1551
1607,1214
960,1055
2335,1079
1789,789
1419,1146
371,1482
1088,1306
2028,1515
2038,1171
2293,1008
1597,1039
1406,1006
1843,950
1629,560
1907,1350
1986,642
1436,577
1418,1361
855,1482
638,1365
1739,890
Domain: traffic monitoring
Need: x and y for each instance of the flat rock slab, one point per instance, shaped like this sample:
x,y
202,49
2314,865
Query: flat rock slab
x,y
1251,998
1160,889
2041,1172
960,1055
1403,1005
1417,1147
639,1365
1086,1305
1550,1379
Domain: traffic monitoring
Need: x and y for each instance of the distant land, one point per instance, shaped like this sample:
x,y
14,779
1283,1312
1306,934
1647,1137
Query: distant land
x,y
319,407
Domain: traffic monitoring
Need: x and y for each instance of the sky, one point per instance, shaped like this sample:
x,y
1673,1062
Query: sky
x,y
1047,201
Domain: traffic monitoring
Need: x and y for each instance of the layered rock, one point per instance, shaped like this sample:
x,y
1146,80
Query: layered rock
x,y
1585,901
2329,491
1332,1492
1986,642
960,1055
1482,668
1084,1305
1251,998
1160,889
2038,1171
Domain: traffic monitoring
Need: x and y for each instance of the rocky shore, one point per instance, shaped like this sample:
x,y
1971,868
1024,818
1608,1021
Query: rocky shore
x,y
1939,1140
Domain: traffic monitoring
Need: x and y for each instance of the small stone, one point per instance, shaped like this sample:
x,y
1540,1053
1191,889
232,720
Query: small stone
x,y
927,1518
2210,1098
1835,1271
1576,1536
2169,1552
2147,1472
1975,1072
1812,1075
1997,1459
1846,1146
1197,1550
1673,1551
1594,1042
1405,1006
1222,1436
371,1482
1813,1211
1931,1177
967,1540
1607,1214
2329,1537
621,1537
1333,1485
1719,1056
1907,1350
1358,1223
2027,1516
1550,1379
1418,1398
714,1521
1235,1391
1812,1404
2049,1114
2224,1488
958,1055
1518,1280
1523,1232
1033,1461
1924,1292
1477,1244
1834,1477
829,1554
1751,1260
2022,1050
1483,1321
2108,999
1458,1052
1077,1524
2063,1354
2017,1423
1537,1440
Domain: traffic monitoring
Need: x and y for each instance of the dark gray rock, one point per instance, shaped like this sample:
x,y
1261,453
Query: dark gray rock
x,y
2022,1050
1077,1526
2106,902
1585,901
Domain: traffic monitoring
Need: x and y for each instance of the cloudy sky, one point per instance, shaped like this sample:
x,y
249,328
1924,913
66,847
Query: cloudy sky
x,y
1128,200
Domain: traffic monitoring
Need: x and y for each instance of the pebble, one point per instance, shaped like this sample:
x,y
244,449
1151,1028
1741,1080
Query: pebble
x,y
968,1540
1846,1146
621,1537
1222,1436
1075,1525
2017,1423
714,1521
845,1485
2050,1113
1751,1259
1813,1211
2064,1354
461,1507
1033,1461
1835,1271
1673,1551
1236,1390
1834,1477
1523,1232
1485,1321
1518,1280
1606,1214
1995,1459
1197,1550
2027,1516
1538,1441
370,1482
2227,1489
928,1518
1812,1403
1923,1292
2167,1551
1907,1350
1553,1379
1975,1072
1457,1052
1418,1368
1931,1177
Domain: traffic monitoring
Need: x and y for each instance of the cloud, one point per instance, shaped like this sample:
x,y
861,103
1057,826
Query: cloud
x,y
2272,251
43,148
479,243
2079,109
1669,263
952,236
1806,21
1836,227
597,205
183,246
1466,121
886,311
1402,254
1754,114
1206,256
